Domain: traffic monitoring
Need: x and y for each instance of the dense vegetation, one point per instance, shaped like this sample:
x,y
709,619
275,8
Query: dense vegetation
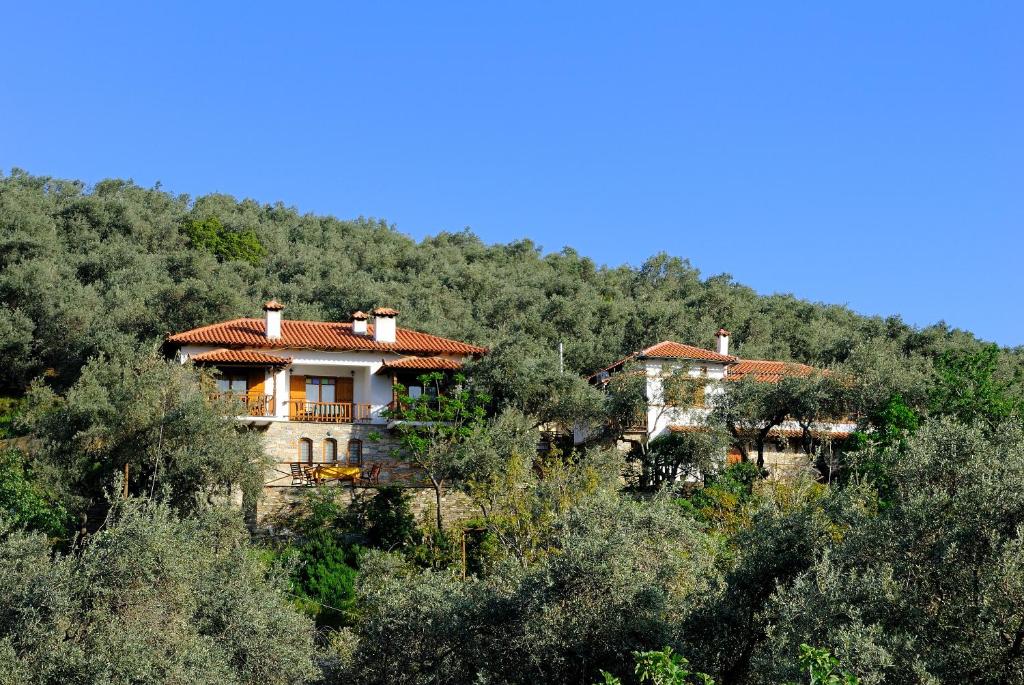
x,y
903,560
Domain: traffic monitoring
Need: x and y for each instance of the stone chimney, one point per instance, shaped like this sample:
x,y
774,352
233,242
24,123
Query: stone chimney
x,y
359,320
384,325
272,316
722,336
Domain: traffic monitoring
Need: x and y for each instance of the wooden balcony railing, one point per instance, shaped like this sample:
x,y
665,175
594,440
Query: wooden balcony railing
x,y
259,405
328,412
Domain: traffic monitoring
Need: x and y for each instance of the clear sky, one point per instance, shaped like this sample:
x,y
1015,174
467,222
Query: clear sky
x,y
862,153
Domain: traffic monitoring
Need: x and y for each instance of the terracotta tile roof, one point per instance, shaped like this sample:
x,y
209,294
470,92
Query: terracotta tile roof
x,y
768,371
774,432
674,350
816,432
360,315
423,363
385,311
670,350
225,356
318,335
273,305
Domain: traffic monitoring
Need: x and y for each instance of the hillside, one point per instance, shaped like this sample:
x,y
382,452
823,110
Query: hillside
x,y
132,551
86,269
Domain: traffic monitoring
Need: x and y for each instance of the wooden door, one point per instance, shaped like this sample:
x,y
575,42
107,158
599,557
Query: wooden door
x,y
256,391
297,395
343,390
344,394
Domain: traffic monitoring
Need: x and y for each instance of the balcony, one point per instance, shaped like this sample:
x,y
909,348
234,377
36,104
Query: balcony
x,y
329,412
252,405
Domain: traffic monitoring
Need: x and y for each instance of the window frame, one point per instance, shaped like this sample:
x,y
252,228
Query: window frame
x,y
305,443
358,444
319,382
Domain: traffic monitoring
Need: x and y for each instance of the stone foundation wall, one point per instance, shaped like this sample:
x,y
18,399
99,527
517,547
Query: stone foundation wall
x,y
281,493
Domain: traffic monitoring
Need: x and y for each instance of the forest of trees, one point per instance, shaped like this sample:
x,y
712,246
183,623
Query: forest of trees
x,y
903,565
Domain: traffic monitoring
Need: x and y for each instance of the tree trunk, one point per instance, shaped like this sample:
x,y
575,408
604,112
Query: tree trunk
x,y
438,486
761,437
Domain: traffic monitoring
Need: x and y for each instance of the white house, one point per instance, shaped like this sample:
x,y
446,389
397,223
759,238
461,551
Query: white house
x,y
666,414
320,390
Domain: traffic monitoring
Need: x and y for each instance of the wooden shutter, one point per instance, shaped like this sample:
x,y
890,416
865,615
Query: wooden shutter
x,y
256,383
297,394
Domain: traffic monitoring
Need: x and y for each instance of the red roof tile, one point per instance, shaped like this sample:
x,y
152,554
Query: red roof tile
x,y
674,350
815,432
317,335
769,371
776,432
241,357
385,311
671,350
273,305
360,316
424,363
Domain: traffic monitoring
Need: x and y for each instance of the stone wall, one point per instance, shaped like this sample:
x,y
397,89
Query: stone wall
x,y
281,493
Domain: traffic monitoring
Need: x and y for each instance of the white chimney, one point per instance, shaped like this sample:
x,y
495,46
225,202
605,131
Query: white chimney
x,y
384,325
723,341
359,322
272,316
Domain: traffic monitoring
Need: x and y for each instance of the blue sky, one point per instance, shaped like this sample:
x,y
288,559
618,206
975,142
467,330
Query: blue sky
x,y
866,153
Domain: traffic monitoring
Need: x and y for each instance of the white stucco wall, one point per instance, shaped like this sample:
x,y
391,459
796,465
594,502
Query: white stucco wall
x,y
659,415
368,387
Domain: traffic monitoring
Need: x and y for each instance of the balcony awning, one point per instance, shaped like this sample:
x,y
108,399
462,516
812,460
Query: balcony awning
x,y
225,356
421,364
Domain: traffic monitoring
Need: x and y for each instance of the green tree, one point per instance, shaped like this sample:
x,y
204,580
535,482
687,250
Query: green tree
x,y
675,456
662,668
968,387
24,501
152,417
928,588
823,668
520,496
619,575
435,428
750,409
214,237
149,599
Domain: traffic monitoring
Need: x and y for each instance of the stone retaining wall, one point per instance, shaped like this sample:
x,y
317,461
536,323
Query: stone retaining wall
x,y
281,441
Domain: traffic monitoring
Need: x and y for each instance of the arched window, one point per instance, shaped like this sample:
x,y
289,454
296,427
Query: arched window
x,y
306,451
355,452
330,450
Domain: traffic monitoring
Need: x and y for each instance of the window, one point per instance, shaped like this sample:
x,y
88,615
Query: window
x,y
306,451
319,389
330,450
355,452
415,391
232,383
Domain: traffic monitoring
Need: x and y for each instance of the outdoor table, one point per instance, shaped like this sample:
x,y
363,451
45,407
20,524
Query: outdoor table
x,y
322,473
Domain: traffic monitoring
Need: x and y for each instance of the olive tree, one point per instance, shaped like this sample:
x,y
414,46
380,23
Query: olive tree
x,y
151,598
930,587
151,418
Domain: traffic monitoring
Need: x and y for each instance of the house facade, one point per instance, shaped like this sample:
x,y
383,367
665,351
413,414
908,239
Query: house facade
x,y
710,371
322,393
